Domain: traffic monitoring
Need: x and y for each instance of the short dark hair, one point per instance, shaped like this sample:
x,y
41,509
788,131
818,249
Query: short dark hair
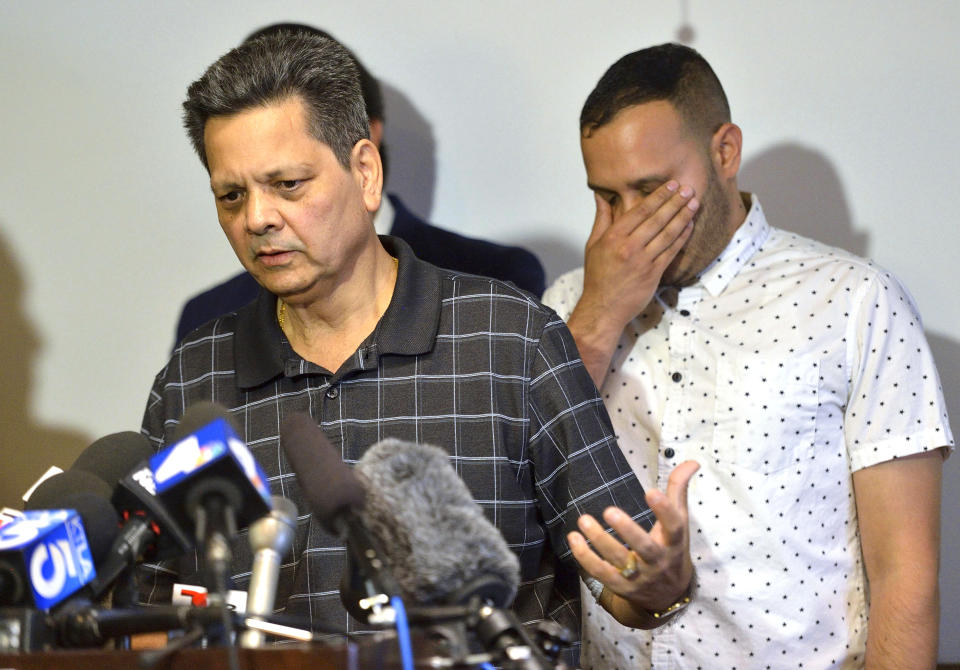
x,y
275,67
670,72
369,86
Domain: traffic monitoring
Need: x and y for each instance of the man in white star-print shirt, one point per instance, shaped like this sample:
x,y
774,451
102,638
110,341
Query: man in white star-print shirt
x,y
796,374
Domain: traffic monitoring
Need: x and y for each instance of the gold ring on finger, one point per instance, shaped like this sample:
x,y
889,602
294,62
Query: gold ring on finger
x,y
630,567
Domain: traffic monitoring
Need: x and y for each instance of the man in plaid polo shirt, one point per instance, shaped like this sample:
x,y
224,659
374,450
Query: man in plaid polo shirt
x,y
374,343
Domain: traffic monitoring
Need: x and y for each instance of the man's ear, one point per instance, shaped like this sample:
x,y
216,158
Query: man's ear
x,y
725,150
367,169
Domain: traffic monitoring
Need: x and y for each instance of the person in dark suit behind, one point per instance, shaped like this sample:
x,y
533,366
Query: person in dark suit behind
x,y
430,243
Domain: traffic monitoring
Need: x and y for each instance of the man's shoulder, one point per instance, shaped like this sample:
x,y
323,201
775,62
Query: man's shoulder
x,y
456,285
807,256
200,349
483,299
786,241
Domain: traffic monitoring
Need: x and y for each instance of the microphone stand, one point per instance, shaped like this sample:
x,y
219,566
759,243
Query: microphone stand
x,y
213,505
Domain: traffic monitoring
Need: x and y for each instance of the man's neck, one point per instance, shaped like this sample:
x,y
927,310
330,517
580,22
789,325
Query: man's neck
x,y
338,316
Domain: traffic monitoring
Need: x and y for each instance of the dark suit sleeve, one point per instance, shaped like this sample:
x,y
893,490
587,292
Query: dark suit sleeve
x,y
469,255
222,299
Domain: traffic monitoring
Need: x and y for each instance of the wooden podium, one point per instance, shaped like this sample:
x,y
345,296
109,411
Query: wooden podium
x,y
372,654
277,658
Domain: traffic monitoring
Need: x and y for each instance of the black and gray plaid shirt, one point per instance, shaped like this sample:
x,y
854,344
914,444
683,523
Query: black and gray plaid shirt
x,y
470,364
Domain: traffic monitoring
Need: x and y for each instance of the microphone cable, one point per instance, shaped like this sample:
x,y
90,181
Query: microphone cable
x,y
403,633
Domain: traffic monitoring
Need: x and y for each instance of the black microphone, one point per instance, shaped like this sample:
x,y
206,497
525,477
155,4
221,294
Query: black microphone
x,y
441,547
48,555
211,483
90,496
335,496
87,626
149,532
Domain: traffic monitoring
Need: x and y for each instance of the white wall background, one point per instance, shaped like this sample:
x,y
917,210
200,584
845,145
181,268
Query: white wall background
x,y
850,112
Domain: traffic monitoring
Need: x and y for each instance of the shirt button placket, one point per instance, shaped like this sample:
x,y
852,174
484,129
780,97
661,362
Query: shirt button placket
x,y
673,427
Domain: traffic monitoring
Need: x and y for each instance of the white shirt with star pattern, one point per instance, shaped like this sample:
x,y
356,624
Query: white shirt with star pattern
x,y
786,367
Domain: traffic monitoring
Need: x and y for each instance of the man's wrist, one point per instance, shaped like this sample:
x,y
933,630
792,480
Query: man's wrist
x,y
630,614
673,609
596,337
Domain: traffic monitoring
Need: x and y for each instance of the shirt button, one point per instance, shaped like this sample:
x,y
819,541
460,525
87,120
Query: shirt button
x,y
684,312
676,376
332,392
669,452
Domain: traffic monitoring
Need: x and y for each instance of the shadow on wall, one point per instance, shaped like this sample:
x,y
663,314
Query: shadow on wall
x,y
801,191
410,152
557,255
28,447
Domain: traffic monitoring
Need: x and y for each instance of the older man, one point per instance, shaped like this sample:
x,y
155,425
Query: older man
x,y
375,343
430,243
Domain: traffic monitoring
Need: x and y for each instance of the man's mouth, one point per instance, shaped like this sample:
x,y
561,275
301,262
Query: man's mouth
x,y
273,257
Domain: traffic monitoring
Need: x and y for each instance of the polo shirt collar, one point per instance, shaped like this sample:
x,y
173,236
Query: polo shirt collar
x,y
408,327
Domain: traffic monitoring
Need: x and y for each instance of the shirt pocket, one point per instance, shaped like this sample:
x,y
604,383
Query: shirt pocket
x,y
766,411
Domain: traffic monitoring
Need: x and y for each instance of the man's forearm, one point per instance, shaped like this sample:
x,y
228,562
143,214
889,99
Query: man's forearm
x,y
904,621
596,339
900,538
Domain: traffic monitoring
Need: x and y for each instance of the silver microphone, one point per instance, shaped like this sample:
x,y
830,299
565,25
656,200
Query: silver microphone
x,y
270,539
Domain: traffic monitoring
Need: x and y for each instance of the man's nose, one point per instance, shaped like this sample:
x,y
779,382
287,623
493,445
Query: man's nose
x,y
261,214
628,201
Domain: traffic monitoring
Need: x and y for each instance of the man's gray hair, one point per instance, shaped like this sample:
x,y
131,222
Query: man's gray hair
x,y
273,68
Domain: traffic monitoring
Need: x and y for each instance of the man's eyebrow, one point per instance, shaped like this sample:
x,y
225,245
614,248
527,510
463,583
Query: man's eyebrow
x,y
223,185
649,183
645,183
284,171
281,171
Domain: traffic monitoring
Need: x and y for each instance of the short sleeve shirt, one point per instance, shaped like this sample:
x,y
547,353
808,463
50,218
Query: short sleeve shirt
x,y
787,366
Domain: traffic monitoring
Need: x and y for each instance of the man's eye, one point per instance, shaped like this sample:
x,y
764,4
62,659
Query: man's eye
x,y
289,184
230,197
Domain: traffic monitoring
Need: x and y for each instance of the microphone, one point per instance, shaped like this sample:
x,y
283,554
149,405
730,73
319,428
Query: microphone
x,y
90,497
148,530
337,504
270,539
44,558
442,548
211,483
87,626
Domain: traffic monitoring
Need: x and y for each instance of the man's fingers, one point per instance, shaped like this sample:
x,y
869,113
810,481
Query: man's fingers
x,y
671,509
679,482
667,254
587,558
606,545
602,220
658,228
634,535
